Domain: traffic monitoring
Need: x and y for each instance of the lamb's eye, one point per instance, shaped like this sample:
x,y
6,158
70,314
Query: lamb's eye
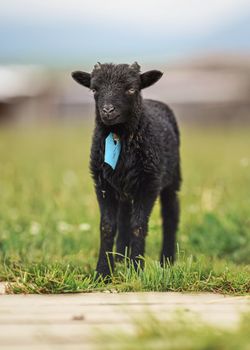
x,y
131,91
94,90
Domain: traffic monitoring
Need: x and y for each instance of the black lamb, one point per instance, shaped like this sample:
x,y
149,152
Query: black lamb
x,y
134,159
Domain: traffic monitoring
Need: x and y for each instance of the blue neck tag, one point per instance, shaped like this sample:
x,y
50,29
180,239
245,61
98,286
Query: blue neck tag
x,y
112,150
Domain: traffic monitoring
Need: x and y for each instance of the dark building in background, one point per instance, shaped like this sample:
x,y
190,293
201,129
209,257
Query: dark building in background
x,y
207,90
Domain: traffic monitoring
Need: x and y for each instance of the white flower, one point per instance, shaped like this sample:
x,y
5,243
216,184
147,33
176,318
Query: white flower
x,y
193,208
63,226
244,162
35,228
84,226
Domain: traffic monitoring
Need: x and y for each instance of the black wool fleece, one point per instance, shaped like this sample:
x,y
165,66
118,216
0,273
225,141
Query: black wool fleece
x,y
148,165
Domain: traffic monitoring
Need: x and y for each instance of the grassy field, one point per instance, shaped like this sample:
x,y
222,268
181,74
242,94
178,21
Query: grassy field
x,y
181,332
49,216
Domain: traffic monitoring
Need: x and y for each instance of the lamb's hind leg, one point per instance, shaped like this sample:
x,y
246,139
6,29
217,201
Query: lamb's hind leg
x,y
124,230
142,207
170,218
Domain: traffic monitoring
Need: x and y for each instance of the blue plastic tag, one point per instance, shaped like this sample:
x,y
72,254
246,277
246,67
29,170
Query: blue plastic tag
x,y
112,151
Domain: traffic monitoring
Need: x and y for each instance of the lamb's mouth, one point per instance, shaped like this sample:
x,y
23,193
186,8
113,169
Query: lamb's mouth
x,y
111,120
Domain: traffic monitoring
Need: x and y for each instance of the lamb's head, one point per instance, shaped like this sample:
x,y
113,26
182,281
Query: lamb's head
x,y
116,89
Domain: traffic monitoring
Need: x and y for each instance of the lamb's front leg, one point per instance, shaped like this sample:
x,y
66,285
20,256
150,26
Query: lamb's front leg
x,y
108,207
124,230
142,207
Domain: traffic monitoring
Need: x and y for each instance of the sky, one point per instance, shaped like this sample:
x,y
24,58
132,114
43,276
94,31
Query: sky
x,y
64,32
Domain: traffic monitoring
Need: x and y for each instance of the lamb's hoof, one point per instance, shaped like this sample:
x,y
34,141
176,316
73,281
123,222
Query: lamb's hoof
x,y
103,275
138,264
166,261
119,258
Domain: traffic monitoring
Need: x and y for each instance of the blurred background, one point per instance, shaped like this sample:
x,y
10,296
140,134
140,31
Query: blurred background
x,y
202,47
48,208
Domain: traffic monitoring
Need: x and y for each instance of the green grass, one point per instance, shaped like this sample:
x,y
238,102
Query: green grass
x,y
49,216
186,275
181,332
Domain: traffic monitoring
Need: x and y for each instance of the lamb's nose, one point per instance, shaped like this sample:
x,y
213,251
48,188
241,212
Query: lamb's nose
x,y
108,109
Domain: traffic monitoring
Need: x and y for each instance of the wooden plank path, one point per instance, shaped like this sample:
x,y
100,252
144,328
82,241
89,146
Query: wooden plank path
x,y
71,321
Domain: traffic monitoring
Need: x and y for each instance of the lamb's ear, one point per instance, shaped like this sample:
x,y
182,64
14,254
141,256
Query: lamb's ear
x,y
82,78
150,77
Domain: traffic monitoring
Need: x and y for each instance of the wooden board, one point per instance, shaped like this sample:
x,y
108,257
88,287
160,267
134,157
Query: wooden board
x,y
71,321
